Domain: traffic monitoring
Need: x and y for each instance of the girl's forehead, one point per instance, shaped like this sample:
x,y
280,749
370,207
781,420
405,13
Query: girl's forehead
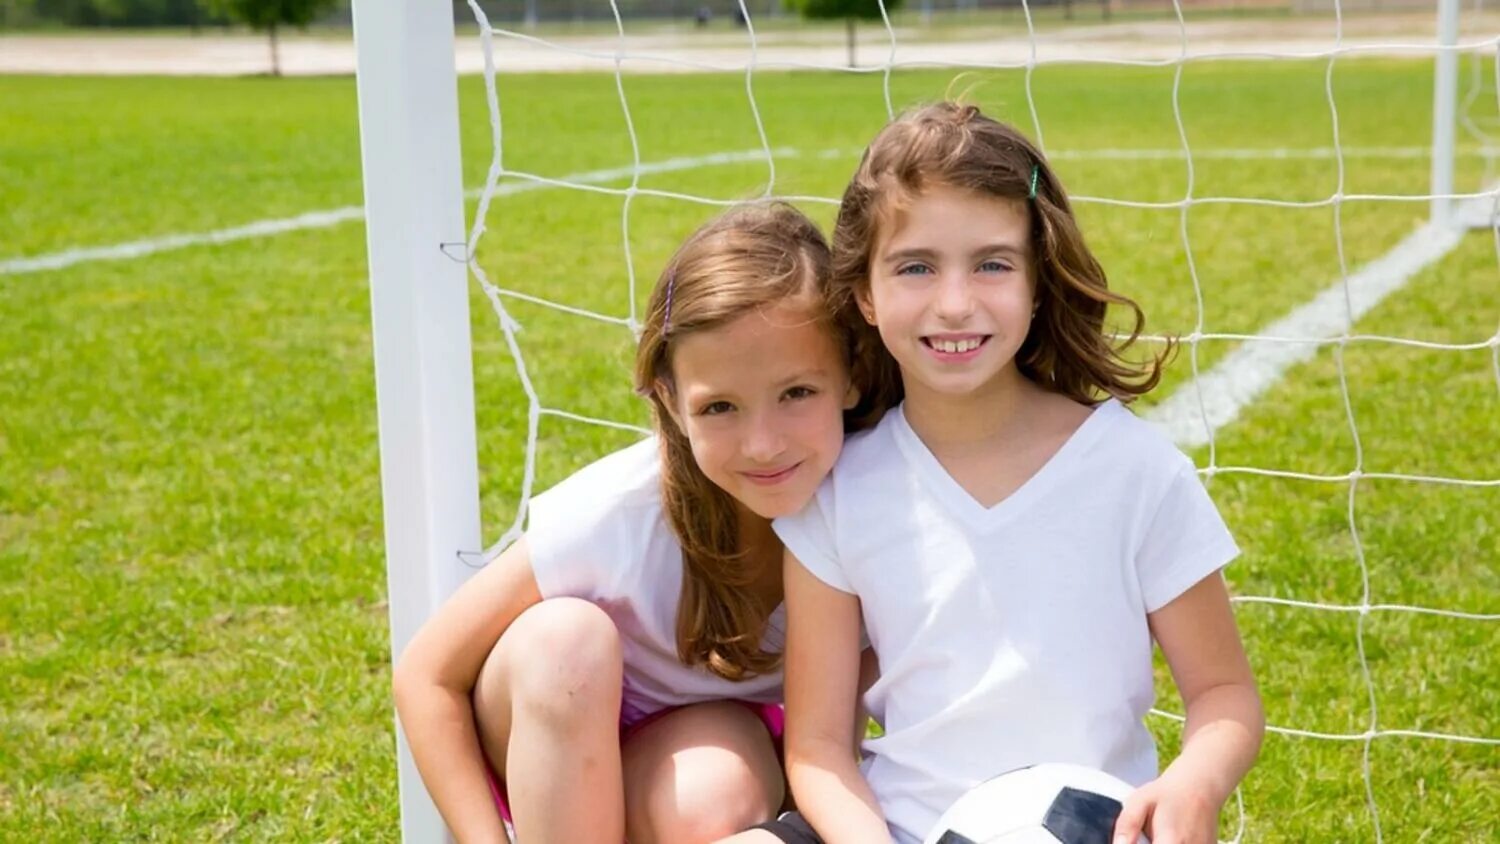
x,y
897,211
763,344
803,313
800,316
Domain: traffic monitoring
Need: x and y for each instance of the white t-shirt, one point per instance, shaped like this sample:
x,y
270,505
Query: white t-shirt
x,y
601,535
1012,635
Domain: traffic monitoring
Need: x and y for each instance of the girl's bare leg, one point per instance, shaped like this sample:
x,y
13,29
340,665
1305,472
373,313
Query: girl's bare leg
x,y
547,705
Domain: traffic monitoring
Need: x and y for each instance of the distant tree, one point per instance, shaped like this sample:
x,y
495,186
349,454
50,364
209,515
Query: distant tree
x,y
106,13
850,10
270,15
16,12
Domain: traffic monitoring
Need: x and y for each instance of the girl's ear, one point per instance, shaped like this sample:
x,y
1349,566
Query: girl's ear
x,y
865,302
851,397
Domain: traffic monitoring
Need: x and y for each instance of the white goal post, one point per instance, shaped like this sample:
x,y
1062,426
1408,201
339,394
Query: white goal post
x,y
417,246
429,464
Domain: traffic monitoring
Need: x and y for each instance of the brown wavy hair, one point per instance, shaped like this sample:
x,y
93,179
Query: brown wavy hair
x,y
752,257
1067,349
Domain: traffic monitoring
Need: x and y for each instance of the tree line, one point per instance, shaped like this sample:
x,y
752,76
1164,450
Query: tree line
x,y
191,14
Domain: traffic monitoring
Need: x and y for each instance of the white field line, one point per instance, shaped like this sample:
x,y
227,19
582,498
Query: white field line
x,y
334,216
349,213
1218,395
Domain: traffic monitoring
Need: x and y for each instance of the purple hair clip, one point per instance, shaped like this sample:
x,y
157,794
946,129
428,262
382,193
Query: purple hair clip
x,y
666,321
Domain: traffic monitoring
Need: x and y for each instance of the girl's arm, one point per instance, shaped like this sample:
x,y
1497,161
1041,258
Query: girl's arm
x,y
822,679
1225,723
435,677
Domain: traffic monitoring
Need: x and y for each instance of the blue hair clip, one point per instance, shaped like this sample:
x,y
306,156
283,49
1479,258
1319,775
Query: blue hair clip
x,y
666,321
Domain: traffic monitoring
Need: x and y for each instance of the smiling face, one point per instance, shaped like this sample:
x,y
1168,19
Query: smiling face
x,y
951,290
761,400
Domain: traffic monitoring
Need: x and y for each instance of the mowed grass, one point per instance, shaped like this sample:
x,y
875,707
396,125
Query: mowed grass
x,y
193,637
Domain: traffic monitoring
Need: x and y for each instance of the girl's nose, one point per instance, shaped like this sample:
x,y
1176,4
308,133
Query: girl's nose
x,y
764,441
955,300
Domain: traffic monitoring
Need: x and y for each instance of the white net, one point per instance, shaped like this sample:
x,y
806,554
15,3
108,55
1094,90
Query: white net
x,y
1231,380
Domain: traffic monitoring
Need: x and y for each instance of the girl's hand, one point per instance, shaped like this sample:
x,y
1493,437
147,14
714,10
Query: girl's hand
x,y
1169,810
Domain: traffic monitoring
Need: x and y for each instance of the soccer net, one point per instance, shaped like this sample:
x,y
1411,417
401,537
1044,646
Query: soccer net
x,y
1305,197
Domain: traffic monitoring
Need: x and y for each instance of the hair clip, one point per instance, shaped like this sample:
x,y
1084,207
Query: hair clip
x,y
1035,169
666,320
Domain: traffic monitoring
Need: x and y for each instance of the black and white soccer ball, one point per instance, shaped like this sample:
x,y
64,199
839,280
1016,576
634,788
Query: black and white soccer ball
x,y
1042,804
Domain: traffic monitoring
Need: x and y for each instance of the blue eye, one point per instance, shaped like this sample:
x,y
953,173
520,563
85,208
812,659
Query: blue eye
x,y
913,269
994,267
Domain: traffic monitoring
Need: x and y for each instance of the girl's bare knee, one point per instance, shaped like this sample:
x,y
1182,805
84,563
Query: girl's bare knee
x,y
728,802
708,804
714,776
559,658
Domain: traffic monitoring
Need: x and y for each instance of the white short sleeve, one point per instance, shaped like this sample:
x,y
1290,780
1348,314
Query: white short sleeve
x,y
809,536
568,546
1185,542
589,531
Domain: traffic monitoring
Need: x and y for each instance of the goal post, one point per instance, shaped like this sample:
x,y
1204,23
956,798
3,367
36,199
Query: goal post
x,y
1444,117
424,384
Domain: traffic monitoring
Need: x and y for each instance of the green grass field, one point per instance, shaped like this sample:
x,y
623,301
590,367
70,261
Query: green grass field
x,y
193,638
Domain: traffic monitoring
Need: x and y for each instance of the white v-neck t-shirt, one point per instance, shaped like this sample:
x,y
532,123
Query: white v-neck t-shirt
x,y
1016,634
601,535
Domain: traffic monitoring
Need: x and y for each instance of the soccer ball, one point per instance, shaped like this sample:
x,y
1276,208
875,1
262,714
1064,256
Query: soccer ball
x,y
1042,804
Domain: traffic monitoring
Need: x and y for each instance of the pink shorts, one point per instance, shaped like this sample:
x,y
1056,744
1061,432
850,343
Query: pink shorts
x,y
770,714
